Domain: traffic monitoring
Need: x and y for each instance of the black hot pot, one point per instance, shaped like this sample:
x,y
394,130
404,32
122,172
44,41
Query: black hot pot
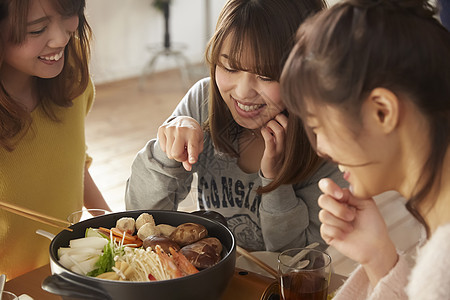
x,y
207,284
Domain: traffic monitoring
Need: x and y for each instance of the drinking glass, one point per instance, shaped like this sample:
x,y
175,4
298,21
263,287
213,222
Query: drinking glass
x,y
85,214
304,273
8,296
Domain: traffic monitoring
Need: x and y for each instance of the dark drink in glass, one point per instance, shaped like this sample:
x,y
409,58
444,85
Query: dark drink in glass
x,y
304,286
304,274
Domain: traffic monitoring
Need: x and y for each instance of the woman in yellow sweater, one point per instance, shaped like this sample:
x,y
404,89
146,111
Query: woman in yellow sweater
x,y
45,94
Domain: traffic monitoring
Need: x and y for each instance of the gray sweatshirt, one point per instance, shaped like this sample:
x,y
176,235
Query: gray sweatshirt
x,y
284,218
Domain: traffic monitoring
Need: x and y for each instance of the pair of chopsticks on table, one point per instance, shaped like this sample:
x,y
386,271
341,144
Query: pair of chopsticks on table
x,y
36,216
268,268
257,261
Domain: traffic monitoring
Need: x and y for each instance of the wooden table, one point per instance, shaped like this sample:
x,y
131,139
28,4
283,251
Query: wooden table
x,y
243,286
30,284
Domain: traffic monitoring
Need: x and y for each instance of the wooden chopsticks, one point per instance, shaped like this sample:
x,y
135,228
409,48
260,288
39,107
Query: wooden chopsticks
x,y
268,268
36,216
257,261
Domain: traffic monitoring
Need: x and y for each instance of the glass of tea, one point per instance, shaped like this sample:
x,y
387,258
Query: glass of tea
x,y
304,274
4,295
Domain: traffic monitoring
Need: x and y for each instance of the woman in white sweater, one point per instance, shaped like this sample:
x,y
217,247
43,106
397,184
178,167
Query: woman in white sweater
x,y
371,81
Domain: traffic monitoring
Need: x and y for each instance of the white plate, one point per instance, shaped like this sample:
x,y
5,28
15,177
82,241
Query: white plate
x,y
270,258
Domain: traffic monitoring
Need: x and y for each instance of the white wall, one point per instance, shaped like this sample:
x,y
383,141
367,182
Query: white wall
x,y
124,29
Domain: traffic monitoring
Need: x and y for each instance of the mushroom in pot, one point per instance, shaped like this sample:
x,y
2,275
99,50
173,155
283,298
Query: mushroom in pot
x,y
188,233
204,253
164,242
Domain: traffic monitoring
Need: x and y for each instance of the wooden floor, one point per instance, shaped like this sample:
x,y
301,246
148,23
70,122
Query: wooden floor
x,y
124,117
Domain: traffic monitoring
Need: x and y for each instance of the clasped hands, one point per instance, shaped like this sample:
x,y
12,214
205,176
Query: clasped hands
x,y
356,228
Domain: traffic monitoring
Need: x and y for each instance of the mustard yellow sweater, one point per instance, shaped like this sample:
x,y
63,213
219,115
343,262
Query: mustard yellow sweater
x,y
43,173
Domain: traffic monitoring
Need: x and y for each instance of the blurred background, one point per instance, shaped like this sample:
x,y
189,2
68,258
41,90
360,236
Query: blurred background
x,y
128,32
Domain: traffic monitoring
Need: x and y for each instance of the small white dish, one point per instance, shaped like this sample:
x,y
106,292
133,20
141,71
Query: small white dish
x,y
270,258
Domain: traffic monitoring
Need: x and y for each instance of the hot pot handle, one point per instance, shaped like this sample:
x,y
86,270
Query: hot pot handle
x,y
60,285
211,215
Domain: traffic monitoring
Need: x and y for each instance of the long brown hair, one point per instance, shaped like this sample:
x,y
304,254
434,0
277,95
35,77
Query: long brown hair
x,y
344,53
60,90
268,28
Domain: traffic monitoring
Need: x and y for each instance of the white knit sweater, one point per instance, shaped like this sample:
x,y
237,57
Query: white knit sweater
x,y
429,279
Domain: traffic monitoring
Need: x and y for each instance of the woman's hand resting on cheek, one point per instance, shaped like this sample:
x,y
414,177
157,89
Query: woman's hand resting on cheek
x,y
356,228
274,139
182,140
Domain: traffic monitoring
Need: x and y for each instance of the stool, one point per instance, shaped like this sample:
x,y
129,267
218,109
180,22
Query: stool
x,y
168,51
